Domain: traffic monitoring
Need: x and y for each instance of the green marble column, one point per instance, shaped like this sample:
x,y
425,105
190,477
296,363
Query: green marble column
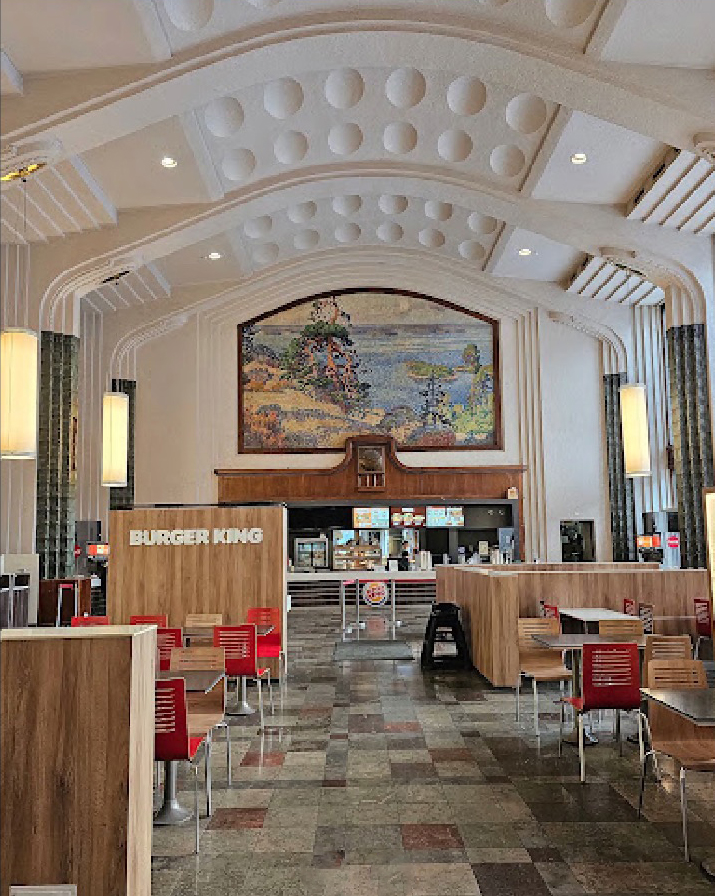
x,y
620,488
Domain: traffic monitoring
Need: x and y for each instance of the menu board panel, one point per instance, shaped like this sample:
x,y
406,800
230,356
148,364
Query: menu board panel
x,y
371,517
444,517
407,517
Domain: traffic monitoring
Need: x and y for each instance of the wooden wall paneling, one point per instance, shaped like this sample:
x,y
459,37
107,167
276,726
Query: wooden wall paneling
x,y
182,579
75,801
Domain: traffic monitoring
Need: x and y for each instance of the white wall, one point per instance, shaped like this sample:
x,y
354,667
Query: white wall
x,y
575,475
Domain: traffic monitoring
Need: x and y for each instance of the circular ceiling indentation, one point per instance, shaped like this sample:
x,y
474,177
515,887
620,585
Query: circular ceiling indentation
x,y
290,147
493,2
482,224
405,87
400,137
344,88
466,96
568,13
507,161
238,164
391,204
347,205
390,232
526,113
263,4
189,15
306,239
454,145
282,98
224,116
438,211
472,250
344,139
302,212
257,228
347,233
265,253
431,238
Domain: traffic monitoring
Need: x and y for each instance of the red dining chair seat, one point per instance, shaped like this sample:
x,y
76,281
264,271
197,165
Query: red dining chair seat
x,y
88,621
161,620
194,744
240,646
576,702
166,640
270,646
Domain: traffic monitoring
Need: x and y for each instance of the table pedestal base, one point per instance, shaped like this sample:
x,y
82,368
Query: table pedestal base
x,y
242,708
171,811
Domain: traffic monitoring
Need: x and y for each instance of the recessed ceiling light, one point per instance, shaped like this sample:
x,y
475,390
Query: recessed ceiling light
x,y
214,256
579,158
524,251
168,162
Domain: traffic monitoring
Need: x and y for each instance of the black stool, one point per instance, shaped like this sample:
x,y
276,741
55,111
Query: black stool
x,y
445,625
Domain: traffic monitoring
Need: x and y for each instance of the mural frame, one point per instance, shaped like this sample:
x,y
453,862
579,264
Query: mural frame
x,y
497,444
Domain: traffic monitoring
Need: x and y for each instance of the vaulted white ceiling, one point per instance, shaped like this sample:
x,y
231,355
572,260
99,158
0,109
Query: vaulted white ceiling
x,y
302,128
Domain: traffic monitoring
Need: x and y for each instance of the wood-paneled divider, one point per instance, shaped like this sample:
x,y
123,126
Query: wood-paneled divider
x,y
216,577
76,749
493,599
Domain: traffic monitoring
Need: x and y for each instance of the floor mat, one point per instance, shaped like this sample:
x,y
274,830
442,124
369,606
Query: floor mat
x,y
372,650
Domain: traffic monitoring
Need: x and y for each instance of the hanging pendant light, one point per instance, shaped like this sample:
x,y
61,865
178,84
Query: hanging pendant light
x,y
115,439
634,426
18,391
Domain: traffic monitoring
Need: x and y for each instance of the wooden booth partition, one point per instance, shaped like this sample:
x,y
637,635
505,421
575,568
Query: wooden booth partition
x,y
76,749
197,560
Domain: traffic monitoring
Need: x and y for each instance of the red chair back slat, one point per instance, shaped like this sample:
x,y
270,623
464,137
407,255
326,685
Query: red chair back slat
x,y
171,729
703,617
611,676
266,616
241,648
166,640
88,621
630,607
161,620
551,611
645,614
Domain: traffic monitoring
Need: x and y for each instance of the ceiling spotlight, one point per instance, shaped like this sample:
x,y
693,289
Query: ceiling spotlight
x,y
579,158
524,251
168,162
214,256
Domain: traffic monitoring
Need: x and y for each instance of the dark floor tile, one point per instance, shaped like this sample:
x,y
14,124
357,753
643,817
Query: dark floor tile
x,y
234,819
268,760
366,724
501,879
431,836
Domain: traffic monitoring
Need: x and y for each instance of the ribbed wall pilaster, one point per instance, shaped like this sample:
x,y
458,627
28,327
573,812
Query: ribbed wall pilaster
x,y
123,498
692,435
57,454
623,527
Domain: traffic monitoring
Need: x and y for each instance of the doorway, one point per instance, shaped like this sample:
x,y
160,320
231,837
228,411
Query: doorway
x,y
577,541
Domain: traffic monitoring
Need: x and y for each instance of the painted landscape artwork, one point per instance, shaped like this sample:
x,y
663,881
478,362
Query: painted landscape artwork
x,y
368,362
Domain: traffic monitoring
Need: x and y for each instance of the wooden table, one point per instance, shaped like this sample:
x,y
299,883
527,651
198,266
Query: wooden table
x,y
697,707
573,643
197,682
201,632
591,615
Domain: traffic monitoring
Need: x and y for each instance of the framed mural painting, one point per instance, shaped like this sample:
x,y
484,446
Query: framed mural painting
x,y
362,361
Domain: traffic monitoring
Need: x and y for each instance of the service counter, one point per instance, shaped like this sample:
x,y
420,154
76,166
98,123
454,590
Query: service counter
x,y
76,749
331,587
492,599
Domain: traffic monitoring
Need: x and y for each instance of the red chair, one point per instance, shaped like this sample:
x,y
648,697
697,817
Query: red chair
x,y
241,650
172,742
611,680
703,622
551,611
630,607
166,640
88,621
270,645
161,620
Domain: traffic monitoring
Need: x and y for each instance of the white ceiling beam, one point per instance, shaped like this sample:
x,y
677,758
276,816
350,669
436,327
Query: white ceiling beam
x,y
11,77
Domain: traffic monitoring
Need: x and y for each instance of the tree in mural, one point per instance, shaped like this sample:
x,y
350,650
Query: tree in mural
x,y
321,359
435,412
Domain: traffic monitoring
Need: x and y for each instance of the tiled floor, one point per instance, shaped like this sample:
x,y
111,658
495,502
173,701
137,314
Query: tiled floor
x,y
375,779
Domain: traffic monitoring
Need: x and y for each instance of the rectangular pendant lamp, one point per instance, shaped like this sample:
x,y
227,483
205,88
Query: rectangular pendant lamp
x,y
634,426
115,439
18,394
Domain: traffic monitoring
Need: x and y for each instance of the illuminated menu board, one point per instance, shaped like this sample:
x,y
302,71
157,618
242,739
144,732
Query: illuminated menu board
x,y
444,517
371,517
407,517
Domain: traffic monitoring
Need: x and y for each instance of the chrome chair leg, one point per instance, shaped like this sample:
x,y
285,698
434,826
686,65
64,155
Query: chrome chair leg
x,y
196,803
260,701
228,752
518,693
684,812
581,750
536,706
618,732
644,771
641,746
207,772
270,696
561,729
